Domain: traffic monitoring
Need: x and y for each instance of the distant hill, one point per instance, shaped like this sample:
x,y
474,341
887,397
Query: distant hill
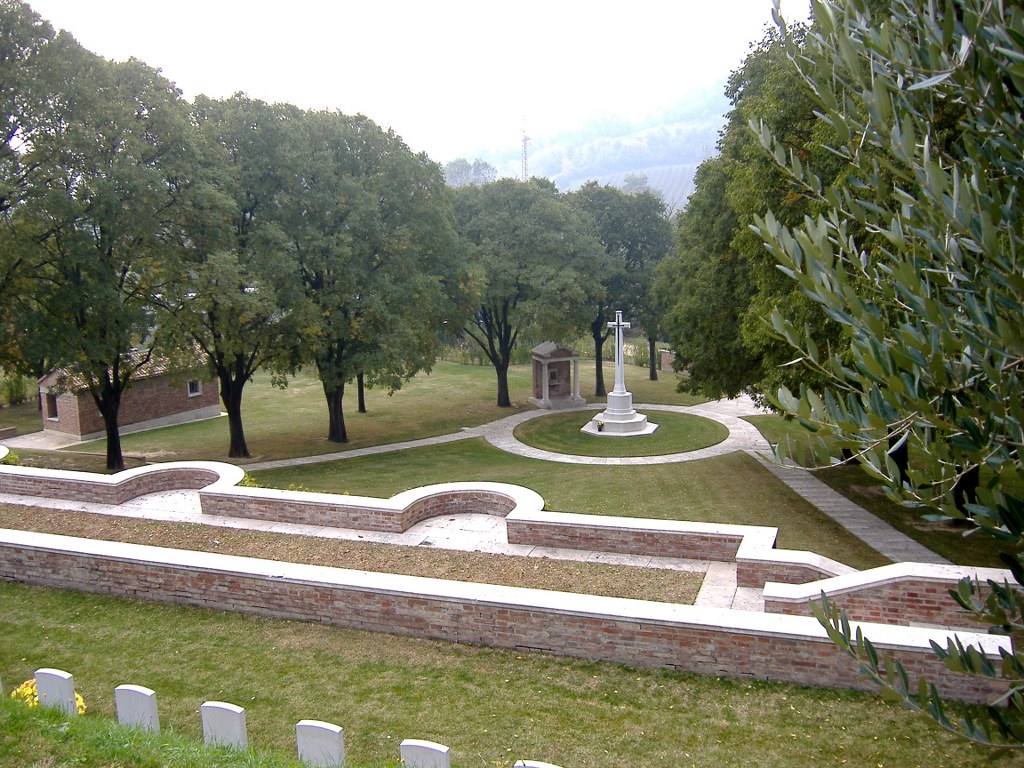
x,y
666,148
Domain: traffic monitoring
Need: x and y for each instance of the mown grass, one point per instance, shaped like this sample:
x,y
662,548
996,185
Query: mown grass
x,y
490,706
676,433
45,738
290,422
24,417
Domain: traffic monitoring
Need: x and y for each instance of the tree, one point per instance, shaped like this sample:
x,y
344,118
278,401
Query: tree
x,y
534,260
371,230
926,104
636,234
460,172
105,208
25,41
722,284
243,305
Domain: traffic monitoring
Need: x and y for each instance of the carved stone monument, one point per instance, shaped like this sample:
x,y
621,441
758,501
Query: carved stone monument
x,y
556,377
619,419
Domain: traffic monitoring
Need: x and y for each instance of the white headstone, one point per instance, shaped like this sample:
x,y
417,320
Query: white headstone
x,y
425,754
533,764
136,707
56,688
320,743
224,725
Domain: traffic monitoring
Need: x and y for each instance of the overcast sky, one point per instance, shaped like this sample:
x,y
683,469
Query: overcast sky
x,y
450,76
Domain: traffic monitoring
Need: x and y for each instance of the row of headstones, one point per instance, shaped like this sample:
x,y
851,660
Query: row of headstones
x,y
319,743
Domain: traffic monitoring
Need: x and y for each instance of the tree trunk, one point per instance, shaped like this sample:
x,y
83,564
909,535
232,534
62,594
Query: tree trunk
x,y
336,431
108,403
115,459
599,332
504,401
231,396
651,361
362,394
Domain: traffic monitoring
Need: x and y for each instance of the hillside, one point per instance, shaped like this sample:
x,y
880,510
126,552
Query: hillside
x,y
666,148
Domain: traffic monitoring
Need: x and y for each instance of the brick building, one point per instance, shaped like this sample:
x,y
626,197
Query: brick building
x,y
156,398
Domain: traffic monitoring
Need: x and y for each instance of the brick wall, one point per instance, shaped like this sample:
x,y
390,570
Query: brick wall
x,y
358,512
637,540
163,396
906,594
108,489
146,400
732,643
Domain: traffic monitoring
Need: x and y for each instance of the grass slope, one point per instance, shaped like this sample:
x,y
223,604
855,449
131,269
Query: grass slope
x,y
490,706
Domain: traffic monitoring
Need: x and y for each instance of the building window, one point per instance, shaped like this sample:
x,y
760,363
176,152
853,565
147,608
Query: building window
x,y
195,388
51,406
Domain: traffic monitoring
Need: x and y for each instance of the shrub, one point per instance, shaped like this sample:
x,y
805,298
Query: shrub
x,y
14,389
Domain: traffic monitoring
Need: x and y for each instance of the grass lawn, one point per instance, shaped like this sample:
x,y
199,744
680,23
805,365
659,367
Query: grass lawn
x,y
24,417
676,433
490,706
284,423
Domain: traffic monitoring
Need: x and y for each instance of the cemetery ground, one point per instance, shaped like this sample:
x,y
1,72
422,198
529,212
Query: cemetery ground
x,y
490,706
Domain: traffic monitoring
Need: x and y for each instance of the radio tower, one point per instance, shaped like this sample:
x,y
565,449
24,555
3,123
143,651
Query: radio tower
x,y
526,140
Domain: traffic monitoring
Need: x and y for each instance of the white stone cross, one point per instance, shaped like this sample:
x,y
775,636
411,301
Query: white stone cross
x,y
620,365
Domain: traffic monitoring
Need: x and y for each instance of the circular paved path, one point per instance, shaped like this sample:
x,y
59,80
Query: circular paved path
x,y
743,436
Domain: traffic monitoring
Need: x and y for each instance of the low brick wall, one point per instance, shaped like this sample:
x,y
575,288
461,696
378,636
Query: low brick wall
x,y
115,489
394,515
792,649
631,536
906,594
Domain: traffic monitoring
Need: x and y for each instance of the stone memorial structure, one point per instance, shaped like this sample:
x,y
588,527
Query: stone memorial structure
x,y
619,419
556,377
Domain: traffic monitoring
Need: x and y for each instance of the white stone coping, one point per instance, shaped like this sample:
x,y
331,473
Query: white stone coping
x,y
885,574
543,601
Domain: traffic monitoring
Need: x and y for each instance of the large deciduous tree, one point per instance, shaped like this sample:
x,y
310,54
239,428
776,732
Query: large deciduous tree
x,y
917,255
370,227
636,234
535,262
113,181
722,284
243,305
25,89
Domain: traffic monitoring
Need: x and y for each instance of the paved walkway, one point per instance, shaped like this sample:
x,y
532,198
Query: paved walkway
x,y
486,533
